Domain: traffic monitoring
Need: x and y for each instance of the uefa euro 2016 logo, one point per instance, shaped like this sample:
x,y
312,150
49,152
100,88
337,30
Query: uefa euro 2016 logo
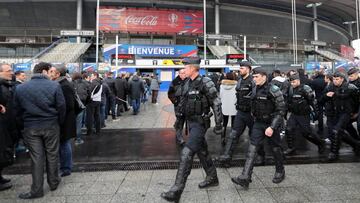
x,y
173,18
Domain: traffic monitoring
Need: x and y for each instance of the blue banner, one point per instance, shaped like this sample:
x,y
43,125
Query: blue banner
x,y
26,67
166,51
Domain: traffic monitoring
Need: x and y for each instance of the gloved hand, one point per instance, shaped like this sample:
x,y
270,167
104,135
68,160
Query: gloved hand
x,y
218,129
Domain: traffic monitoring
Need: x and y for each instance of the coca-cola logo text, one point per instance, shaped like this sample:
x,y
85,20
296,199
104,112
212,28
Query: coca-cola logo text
x,y
141,20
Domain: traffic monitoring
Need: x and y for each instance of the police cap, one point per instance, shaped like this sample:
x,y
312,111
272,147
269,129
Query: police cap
x,y
339,74
259,70
294,77
353,71
191,61
246,64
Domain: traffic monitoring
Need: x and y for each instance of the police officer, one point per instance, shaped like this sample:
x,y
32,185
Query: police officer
x,y
174,94
344,96
268,109
355,80
243,116
198,96
300,101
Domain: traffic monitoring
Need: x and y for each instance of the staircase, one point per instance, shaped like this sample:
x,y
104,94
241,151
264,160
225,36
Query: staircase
x,y
221,51
65,53
330,55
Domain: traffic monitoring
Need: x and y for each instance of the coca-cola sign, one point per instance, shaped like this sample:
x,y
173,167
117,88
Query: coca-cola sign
x,y
151,20
146,20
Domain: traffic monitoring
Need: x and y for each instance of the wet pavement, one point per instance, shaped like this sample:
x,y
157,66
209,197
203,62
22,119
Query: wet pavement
x,y
135,158
337,182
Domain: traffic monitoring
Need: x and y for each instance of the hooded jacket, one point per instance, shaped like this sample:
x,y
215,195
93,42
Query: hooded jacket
x,y
228,97
136,87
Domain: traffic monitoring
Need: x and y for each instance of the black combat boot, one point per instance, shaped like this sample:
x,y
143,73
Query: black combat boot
x,y
209,167
317,141
186,160
226,157
279,165
350,140
245,178
223,137
260,158
290,143
334,147
2,179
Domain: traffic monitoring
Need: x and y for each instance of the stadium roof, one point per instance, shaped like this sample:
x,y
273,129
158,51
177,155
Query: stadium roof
x,y
334,11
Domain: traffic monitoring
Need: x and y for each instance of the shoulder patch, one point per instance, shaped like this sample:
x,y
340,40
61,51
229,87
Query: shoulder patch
x,y
274,88
206,79
352,86
307,88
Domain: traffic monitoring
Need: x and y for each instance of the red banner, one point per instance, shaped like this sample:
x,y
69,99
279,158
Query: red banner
x,y
151,20
347,52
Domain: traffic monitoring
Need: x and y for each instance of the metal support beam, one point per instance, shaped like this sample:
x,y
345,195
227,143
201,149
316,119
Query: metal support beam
x,y
217,20
205,43
79,18
97,31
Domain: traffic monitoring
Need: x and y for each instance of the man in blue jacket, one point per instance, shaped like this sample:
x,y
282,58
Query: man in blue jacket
x,y
41,105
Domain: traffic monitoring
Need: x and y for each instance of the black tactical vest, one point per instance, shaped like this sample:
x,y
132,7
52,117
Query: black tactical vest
x,y
343,103
298,104
196,103
262,104
243,94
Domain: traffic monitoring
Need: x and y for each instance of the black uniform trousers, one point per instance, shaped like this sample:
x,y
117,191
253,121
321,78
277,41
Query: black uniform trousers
x,y
299,123
242,120
258,136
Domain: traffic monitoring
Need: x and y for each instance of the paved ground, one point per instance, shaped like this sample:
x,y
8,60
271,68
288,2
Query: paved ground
x,y
304,183
160,115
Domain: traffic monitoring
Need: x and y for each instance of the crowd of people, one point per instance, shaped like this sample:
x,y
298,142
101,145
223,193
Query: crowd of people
x,y
269,105
44,114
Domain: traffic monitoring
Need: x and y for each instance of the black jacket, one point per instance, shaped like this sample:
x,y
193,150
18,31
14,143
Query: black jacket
x,y
111,84
68,128
8,130
318,85
174,87
121,86
136,87
82,88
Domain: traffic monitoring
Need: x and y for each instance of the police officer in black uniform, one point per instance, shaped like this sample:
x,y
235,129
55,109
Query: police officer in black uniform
x,y
345,97
300,101
174,94
355,80
243,116
198,96
268,109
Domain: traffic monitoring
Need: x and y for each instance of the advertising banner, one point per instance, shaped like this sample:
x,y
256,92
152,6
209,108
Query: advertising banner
x,y
73,67
347,52
26,67
158,51
151,20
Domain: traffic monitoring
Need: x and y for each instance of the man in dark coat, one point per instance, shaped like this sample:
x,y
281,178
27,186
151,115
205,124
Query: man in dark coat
x,y
136,89
93,108
68,128
82,88
318,85
121,86
110,100
41,104
6,118
174,94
